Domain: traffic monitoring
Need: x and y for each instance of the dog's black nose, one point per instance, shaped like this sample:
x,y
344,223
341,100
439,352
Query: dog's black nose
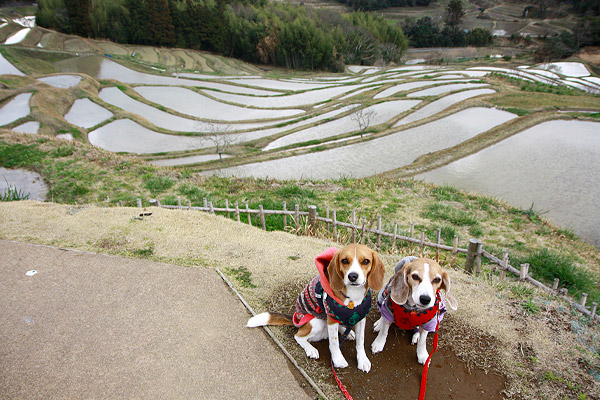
x,y
424,299
352,276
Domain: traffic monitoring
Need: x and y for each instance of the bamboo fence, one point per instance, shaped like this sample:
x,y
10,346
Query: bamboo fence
x,y
360,233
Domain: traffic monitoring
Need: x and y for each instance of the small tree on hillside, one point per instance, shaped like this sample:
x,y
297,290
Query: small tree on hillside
x,y
363,119
218,134
454,15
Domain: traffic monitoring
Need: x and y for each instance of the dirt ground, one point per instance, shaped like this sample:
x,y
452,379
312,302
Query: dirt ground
x,y
396,374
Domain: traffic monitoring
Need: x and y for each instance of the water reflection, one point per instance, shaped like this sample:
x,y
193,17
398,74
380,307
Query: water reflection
x,y
555,166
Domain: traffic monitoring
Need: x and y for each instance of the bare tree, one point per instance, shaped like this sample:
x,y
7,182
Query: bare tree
x,y
363,119
218,134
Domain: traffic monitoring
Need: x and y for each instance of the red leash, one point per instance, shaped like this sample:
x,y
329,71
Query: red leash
x,y
426,367
340,384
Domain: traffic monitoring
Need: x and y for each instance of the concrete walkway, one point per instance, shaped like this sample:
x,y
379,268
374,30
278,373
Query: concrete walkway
x,y
90,326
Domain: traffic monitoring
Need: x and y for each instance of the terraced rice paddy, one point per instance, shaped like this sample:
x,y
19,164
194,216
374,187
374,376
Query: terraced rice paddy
x,y
282,127
547,152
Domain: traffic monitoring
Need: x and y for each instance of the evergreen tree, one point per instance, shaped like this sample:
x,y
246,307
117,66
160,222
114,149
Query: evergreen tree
x,y
454,15
138,21
160,24
79,17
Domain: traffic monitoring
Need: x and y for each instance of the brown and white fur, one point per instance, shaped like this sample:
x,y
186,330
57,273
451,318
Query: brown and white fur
x,y
351,272
415,283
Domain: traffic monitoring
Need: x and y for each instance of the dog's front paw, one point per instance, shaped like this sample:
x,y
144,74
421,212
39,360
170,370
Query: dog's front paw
x,y
377,325
340,362
312,352
377,345
364,364
415,339
422,357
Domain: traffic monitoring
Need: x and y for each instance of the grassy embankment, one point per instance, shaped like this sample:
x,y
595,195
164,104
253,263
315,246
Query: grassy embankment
x,y
79,173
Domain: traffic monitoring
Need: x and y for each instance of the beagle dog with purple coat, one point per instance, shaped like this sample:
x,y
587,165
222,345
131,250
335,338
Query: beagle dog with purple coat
x,y
412,300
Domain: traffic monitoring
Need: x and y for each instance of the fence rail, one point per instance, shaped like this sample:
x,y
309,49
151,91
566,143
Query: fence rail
x,y
474,251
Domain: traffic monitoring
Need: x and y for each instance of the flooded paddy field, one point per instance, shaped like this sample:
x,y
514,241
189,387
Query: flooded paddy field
x,y
553,167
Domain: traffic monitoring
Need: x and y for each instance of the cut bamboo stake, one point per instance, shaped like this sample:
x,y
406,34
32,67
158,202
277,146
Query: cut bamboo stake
x,y
262,217
237,211
179,202
593,313
297,210
584,297
364,230
524,271
335,233
379,232
205,201
422,245
227,207
139,202
395,236
411,233
212,209
438,241
312,220
248,211
284,216
504,265
555,284
189,204
327,217
120,203
353,226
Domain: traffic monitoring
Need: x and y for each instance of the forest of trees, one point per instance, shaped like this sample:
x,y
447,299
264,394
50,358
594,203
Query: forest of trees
x,y
372,5
252,30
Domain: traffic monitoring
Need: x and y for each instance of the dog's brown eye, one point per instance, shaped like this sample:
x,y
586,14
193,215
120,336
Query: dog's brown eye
x,y
416,277
345,261
366,261
436,280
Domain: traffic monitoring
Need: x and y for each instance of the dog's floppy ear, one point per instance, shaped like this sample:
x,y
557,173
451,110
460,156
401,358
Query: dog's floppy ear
x,y
336,280
399,290
446,286
375,277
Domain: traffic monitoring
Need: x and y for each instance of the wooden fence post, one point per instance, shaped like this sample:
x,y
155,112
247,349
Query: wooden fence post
x,y
394,248
454,250
364,231
248,211
353,226
262,217
472,255
524,271
139,202
297,211
584,297
284,216
335,233
237,211
411,232
438,241
379,232
179,202
312,220
422,243
504,265
205,202
227,207
555,284
327,216
189,204
210,206
593,313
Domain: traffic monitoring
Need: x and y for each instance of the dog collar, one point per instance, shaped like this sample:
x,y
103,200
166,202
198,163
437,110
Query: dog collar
x,y
345,315
408,318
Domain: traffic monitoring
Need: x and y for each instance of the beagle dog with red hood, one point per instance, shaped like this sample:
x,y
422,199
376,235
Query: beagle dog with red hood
x,y
412,300
336,300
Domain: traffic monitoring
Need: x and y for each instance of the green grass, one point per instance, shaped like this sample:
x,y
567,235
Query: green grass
x,y
157,184
439,211
11,193
19,155
546,265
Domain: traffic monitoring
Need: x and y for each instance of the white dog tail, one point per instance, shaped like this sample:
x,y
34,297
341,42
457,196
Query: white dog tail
x,y
269,319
